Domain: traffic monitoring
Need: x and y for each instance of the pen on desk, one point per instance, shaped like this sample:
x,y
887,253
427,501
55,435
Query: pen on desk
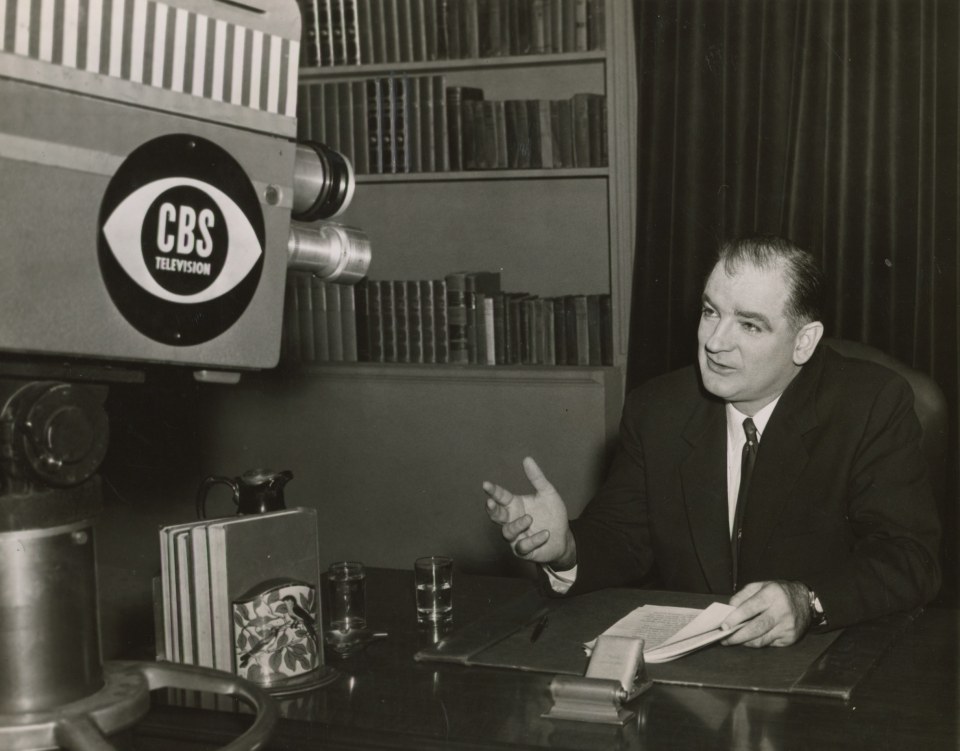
x,y
538,629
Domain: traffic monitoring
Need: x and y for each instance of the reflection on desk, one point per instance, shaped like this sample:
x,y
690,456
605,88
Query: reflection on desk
x,y
384,699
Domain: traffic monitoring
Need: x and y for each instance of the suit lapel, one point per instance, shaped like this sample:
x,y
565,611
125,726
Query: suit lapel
x,y
782,458
703,475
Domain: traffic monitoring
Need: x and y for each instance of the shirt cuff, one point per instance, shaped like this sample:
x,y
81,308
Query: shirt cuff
x,y
560,582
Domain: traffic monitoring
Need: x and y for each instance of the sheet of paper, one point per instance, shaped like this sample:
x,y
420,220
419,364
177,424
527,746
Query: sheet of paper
x,y
707,620
652,623
661,627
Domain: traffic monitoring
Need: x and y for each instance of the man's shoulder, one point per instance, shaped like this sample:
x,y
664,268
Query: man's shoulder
x,y
853,375
669,391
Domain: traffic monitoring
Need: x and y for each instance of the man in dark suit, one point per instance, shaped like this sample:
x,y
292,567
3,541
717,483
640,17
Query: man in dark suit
x,y
777,470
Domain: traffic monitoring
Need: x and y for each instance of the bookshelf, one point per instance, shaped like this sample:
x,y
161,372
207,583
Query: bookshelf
x,y
393,454
551,231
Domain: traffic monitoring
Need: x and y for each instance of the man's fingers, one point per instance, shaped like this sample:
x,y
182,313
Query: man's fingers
x,y
512,530
536,476
741,596
528,545
498,494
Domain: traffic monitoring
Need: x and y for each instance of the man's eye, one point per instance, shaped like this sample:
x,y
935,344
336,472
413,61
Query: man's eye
x,y
706,312
751,327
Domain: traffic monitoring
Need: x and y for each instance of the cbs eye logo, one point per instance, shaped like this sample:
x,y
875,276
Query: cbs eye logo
x,y
181,241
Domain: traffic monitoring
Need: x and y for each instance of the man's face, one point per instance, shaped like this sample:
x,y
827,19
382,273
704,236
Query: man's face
x,y
746,342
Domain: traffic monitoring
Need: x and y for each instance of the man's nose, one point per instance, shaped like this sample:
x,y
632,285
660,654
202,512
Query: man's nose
x,y
718,339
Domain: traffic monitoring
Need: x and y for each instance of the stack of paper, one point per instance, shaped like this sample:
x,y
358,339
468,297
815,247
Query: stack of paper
x,y
670,632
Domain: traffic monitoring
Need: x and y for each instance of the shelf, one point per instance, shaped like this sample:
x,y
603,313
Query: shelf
x,y
415,371
481,175
439,66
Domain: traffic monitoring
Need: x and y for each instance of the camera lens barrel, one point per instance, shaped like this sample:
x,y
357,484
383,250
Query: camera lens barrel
x,y
323,182
331,251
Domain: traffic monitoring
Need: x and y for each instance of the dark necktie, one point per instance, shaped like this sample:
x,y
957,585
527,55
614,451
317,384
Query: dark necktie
x,y
747,462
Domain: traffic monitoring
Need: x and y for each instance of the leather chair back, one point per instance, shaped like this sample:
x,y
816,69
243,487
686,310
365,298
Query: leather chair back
x,y
928,402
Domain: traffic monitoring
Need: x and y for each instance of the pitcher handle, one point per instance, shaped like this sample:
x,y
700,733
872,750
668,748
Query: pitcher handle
x,y
209,482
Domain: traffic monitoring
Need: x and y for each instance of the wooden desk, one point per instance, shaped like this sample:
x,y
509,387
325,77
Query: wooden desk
x,y
383,699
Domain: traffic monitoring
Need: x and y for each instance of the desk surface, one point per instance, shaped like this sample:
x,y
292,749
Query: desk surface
x,y
382,698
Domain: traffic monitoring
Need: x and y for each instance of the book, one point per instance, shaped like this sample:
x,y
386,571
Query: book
x,y
428,137
541,133
472,135
477,286
291,320
378,23
455,97
351,33
606,329
364,11
303,113
428,324
361,296
414,130
596,25
441,328
321,334
317,111
452,22
374,322
420,21
308,352
331,115
391,20
375,126
247,551
334,329
388,321
457,321
345,129
580,112
470,29
415,333
561,131
184,595
406,30
325,32
337,32
309,34
401,322
441,132
202,609
361,128
593,330
671,632
491,42
348,323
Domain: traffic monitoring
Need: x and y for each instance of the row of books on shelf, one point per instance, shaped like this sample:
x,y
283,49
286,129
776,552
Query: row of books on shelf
x,y
462,318
399,124
356,32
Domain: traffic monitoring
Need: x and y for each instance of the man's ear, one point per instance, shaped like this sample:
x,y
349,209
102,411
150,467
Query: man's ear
x,y
806,341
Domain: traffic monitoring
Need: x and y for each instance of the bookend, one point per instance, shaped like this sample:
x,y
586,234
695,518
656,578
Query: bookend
x,y
615,675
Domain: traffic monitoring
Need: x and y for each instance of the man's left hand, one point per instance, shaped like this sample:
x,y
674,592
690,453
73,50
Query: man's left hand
x,y
778,613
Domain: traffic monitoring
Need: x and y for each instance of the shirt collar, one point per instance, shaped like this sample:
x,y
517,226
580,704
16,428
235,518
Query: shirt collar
x,y
735,418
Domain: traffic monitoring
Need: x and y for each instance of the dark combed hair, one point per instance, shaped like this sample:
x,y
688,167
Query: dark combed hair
x,y
804,277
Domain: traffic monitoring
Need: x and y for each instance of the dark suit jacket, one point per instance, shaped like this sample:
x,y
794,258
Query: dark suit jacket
x,y
839,498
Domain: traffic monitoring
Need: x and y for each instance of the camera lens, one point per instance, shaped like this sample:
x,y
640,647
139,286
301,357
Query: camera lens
x,y
331,251
323,182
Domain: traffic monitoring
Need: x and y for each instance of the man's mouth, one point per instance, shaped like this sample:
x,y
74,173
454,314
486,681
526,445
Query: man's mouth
x,y
717,367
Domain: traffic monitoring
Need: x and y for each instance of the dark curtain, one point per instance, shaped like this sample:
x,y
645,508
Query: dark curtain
x,y
831,122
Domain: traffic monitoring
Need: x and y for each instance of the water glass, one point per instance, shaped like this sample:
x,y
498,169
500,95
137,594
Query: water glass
x,y
433,577
347,590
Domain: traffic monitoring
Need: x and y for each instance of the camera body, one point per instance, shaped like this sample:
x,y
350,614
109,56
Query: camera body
x,y
150,172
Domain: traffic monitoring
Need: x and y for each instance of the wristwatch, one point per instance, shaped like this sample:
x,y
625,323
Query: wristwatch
x,y
816,609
